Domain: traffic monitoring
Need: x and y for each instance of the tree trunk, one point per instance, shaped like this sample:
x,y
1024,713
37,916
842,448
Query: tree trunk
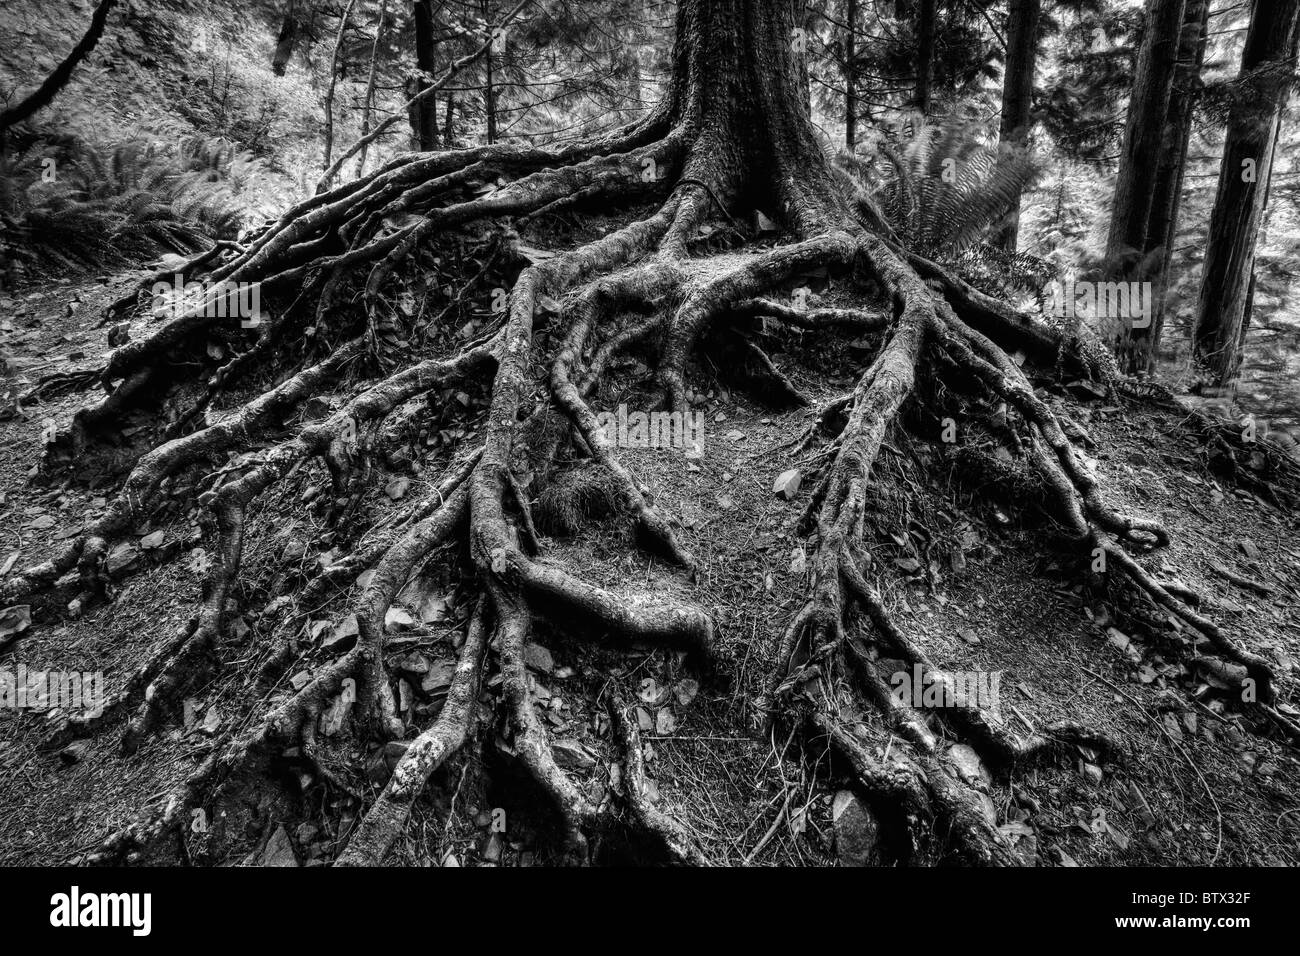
x,y
1148,108
285,42
489,92
368,101
850,75
329,93
1243,187
424,114
924,54
1018,97
1162,226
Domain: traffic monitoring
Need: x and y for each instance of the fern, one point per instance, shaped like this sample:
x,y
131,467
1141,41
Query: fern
x,y
124,204
941,185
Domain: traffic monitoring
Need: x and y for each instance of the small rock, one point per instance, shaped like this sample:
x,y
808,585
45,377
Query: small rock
x,y
121,558
538,658
384,761
344,634
685,691
396,489
1117,638
1249,548
969,636
398,619
414,663
295,550
153,540
968,765
856,831
571,755
278,850
438,678
336,715
787,483
665,722
75,752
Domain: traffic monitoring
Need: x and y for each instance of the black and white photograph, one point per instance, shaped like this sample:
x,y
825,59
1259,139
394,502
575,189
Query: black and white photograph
x,y
663,435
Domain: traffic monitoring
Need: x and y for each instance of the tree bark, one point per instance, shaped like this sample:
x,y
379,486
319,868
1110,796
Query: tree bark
x,y
424,113
1239,204
489,93
368,103
850,76
1018,97
46,92
924,54
1148,107
329,93
1162,226
285,42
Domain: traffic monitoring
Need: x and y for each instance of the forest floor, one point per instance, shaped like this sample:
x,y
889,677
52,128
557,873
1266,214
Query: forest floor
x,y
1191,786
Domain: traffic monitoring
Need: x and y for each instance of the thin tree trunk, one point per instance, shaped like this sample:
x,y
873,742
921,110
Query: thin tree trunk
x,y
924,54
329,93
453,68
1244,174
1148,107
449,131
369,101
1018,97
424,113
850,76
1171,166
489,94
284,43
57,80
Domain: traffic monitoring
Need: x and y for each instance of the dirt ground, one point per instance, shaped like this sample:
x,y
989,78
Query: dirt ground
x,y
1192,785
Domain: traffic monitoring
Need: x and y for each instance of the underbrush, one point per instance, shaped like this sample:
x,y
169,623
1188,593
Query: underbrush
x,y
69,205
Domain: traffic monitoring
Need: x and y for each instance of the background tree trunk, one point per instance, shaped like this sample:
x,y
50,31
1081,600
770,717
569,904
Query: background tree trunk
x,y
1148,107
924,54
285,42
1018,97
1253,124
329,93
368,103
1162,226
489,93
850,76
424,115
